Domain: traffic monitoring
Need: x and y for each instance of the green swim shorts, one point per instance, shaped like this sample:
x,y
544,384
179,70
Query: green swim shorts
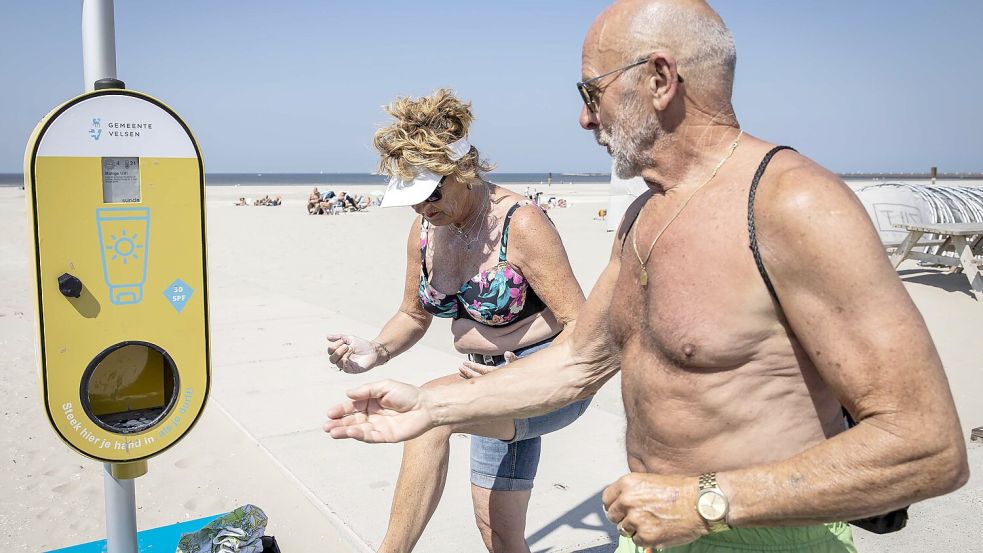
x,y
822,538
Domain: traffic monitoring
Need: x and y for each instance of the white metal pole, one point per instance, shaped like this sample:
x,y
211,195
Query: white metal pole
x,y
121,514
98,42
99,62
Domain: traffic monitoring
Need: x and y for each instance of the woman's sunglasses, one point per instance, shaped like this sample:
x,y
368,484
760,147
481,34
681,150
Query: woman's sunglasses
x,y
436,195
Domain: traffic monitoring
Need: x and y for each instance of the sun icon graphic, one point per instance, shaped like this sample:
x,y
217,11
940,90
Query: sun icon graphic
x,y
124,247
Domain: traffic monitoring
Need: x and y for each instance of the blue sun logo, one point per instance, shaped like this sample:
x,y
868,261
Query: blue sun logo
x,y
124,247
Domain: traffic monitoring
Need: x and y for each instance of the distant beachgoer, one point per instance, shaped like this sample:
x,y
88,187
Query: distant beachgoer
x,y
491,261
741,326
242,201
347,202
312,202
327,207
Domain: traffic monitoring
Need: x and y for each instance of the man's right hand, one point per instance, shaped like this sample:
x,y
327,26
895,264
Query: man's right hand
x,y
382,412
352,354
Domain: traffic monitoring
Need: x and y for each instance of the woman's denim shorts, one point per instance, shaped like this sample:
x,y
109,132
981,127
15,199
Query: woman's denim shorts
x,y
511,465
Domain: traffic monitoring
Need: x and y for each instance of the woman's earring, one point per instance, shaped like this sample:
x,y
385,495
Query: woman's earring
x,y
470,185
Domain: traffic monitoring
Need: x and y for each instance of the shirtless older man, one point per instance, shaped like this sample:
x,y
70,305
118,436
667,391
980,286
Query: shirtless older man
x,y
738,344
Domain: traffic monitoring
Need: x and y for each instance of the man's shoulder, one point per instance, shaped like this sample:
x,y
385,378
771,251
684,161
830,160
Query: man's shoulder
x,y
803,208
795,189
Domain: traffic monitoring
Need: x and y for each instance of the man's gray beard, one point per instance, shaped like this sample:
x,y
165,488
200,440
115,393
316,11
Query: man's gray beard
x,y
630,140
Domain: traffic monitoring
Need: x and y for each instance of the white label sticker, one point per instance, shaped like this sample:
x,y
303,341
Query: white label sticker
x,y
120,180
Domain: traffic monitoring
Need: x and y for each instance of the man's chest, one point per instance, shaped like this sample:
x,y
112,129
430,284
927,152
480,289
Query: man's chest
x,y
703,306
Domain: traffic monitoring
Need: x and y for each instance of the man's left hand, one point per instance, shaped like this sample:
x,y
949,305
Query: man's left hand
x,y
655,511
470,369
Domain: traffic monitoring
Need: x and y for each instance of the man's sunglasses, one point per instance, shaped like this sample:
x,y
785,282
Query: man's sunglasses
x,y
436,195
590,93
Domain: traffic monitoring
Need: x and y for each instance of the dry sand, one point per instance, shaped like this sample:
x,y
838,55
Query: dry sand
x,y
279,281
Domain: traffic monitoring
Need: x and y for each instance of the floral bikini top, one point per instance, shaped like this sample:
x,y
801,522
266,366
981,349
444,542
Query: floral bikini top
x,y
498,296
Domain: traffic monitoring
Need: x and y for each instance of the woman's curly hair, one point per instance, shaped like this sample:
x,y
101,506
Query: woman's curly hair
x,y
419,136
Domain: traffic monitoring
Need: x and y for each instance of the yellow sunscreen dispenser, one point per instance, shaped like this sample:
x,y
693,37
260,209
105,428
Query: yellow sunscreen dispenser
x,y
115,189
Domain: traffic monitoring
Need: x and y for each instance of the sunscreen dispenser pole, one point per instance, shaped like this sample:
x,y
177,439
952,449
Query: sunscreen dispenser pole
x,y
121,513
98,42
98,63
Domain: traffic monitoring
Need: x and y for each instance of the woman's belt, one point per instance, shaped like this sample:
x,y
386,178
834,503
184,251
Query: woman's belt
x,y
494,360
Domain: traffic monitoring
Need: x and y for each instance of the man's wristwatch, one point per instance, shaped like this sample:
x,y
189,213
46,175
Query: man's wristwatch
x,y
712,504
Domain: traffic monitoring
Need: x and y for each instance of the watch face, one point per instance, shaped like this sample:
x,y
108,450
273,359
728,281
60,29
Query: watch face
x,y
712,505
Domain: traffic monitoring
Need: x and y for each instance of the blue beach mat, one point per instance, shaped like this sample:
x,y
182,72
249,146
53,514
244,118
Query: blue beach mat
x,y
155,540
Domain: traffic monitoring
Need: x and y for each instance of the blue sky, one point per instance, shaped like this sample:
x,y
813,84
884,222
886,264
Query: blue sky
x,y
296,86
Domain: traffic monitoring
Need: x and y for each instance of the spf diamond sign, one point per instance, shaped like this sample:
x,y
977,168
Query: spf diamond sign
x,y
178,293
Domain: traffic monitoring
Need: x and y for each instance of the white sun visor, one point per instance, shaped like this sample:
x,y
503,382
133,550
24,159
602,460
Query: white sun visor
x,y
458,149
410,192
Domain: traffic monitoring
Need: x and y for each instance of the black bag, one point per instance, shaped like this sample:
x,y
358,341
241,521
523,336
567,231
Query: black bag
x,y
884,524
269,545
880,524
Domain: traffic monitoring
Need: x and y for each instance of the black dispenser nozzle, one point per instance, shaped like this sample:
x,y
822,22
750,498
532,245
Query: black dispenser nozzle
x,y
70,286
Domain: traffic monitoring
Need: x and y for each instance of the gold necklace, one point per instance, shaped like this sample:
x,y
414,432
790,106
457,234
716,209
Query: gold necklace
x,y
644,276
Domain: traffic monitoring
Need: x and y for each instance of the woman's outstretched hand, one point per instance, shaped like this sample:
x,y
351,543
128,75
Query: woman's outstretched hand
x,y
352,354
381,412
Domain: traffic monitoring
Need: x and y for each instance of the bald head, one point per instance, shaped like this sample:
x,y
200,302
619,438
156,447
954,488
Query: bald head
x,y
690,30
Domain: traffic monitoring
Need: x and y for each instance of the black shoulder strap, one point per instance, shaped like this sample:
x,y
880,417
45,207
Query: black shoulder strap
x,y
504,246
631,223
750,217
424,241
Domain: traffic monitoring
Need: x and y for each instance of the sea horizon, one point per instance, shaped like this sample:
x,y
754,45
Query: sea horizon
x,y
354,179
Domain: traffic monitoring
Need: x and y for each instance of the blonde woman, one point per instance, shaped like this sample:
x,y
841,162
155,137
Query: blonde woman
x,y
491,260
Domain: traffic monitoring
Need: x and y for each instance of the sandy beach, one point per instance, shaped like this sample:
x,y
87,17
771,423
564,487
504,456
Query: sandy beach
x,y
280,280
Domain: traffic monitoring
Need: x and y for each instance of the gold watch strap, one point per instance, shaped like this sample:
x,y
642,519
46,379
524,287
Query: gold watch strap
x,y
708,480
719,526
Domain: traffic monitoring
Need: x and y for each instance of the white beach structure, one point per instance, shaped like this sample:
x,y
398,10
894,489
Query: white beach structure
x,y
890,205
898,203
623,193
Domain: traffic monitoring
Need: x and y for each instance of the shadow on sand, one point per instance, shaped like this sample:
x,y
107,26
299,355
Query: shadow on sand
x,y
586,516
938,278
